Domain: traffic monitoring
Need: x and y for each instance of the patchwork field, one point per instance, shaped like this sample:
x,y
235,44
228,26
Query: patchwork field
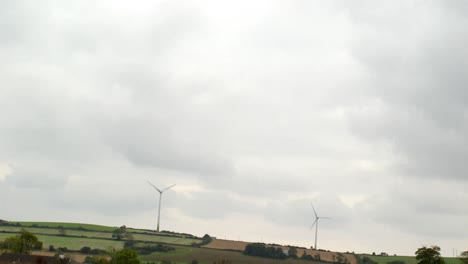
x,y
208,256
100,237
100,233
240,246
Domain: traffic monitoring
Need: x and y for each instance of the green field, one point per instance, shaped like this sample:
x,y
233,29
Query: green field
x,y
73,243
105,235
96,236
406,259
100,237
69,225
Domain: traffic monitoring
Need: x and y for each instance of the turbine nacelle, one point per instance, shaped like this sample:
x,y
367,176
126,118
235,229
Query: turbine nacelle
x,y
160,191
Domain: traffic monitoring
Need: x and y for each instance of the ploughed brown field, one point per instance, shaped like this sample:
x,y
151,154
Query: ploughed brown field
x,y
240,245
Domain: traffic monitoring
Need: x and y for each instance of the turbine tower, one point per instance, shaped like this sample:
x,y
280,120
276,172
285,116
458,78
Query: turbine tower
x,y
316,224
160,198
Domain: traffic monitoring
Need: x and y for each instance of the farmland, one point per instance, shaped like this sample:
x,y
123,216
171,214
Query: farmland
x,y
73,243
68,225
95,232
206,255
75,236
406,259
240,246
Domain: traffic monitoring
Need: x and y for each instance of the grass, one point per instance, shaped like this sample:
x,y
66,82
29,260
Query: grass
x,y
406,259
73,243
150,237
69,225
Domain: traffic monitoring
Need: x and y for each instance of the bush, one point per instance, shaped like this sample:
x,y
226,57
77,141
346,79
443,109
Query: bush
x,y
396,262
366,260
96,260
23,243
63,249
51,248
260,250
85,250
126,256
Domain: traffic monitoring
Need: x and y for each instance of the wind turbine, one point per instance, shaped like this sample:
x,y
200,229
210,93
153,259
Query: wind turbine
x,y
316,224
160,198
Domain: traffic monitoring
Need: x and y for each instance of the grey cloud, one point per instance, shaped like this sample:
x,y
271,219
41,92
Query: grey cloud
x,y
421,207
43,176
418,78
272,103
299,212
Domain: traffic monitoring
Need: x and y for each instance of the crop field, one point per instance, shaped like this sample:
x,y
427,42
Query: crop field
x,y
406,259
208,256
227,244
240,245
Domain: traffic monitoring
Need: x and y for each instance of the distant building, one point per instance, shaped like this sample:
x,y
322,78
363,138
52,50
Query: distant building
x,y
384,254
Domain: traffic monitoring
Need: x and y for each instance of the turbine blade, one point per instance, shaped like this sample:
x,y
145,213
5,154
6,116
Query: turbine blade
x,y
313,224
154,187
325,217
314,210
168,187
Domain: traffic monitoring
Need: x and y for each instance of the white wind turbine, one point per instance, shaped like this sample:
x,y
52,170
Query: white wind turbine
x,y
160,198
316,224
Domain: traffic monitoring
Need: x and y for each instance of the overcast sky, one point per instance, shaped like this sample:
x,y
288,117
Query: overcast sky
x,y
254,109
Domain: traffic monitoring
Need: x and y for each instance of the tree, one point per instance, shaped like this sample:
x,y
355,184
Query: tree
x,y
85,250
62,231
23,243
292,252
118,234
464,257
125,256
121,232
366,260
396,262
96,260
429,255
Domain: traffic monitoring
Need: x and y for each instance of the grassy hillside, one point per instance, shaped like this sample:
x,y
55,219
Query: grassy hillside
x,y
73,243
406,259
78,235
68,225
94,236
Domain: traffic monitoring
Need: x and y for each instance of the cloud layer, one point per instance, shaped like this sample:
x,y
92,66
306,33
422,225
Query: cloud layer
x,y
255,110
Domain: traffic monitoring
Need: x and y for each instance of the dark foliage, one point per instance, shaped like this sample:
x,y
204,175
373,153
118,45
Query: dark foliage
x,y
429,255
85,250
148,248
396,262
261,250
